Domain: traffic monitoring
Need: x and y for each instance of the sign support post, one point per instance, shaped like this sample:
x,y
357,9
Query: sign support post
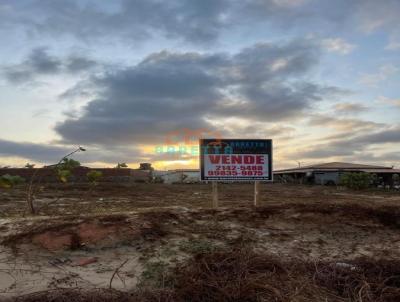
x,y
214,194
256,193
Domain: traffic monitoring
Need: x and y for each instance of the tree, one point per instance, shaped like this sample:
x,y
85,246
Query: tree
x,y
29,166
63,171
121,165
356,181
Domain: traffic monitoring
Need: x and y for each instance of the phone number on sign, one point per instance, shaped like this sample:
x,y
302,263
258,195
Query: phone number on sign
x,y
235,170
238,168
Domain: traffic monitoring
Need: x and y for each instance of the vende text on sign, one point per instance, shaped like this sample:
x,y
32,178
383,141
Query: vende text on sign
x,y
236,159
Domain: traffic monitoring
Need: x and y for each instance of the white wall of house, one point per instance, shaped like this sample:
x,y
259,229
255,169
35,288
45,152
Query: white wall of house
x,y
180,176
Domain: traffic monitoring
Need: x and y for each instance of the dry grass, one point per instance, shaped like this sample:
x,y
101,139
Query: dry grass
x,y
73,199
242,275
76,295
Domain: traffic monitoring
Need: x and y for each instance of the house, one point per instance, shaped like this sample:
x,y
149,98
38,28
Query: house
x,y
179,176
329,173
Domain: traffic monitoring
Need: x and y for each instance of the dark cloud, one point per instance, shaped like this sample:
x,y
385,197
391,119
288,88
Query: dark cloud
x,y
345,126
273,101
76,63
192,21
171,91
196,21
390,158
256,129
49,154
386,136
351,146
40,62
263,73
37,152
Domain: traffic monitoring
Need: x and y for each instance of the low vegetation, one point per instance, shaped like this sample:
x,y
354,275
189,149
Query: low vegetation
x,y
242,275
9,181
65,167
94,176
357,181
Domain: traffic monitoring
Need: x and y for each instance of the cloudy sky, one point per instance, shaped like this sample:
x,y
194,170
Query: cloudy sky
x,y
127,79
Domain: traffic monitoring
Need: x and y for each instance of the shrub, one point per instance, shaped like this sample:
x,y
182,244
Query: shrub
x,y
64,175
65,167
8,181
68,164
356,181
154,274
94,176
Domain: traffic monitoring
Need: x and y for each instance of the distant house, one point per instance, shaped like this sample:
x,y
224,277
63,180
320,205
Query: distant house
x,y
329,173
179,176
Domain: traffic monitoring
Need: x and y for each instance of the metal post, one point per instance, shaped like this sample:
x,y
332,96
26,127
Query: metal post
x,y
214,194
256,193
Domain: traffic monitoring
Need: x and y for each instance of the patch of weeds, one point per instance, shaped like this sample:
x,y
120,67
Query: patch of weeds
x,y
197,246
154,274
167,252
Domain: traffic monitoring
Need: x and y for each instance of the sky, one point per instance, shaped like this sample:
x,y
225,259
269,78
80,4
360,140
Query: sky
x,y
141,80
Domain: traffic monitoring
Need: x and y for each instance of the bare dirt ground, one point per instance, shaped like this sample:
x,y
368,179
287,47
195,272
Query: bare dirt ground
x,y
156,242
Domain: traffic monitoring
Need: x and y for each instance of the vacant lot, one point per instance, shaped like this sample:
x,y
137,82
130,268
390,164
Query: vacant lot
x,y
155,242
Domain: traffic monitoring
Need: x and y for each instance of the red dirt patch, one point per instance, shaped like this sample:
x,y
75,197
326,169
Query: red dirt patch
x,y
86,261
54,241
106,231
84,233
92,233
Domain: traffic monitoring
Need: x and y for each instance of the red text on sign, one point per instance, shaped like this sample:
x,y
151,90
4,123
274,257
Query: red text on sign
x,y
237,159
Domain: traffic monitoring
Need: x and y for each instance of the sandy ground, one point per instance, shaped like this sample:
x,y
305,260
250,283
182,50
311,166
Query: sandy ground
x,y
125,235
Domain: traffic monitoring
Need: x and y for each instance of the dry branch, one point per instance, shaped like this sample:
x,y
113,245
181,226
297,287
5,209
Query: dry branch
x,y
116,272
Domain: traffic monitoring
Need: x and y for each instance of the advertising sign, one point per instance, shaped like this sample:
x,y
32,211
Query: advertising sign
x,y
236,159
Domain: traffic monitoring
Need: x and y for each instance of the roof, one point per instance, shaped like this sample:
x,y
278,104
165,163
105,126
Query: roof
x,y
340,166
397,171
